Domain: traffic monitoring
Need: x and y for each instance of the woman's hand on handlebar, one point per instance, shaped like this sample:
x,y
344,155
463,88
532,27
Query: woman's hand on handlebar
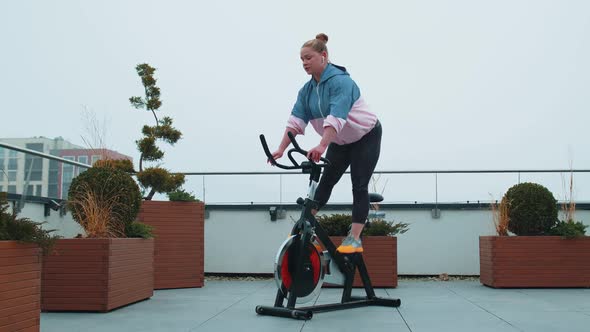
x,y
316,153
277,154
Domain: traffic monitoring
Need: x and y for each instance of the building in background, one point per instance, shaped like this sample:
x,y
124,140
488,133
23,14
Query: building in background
x,y
36,176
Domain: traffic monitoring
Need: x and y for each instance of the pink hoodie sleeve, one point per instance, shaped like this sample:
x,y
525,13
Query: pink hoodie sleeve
x,y
297,124
334,122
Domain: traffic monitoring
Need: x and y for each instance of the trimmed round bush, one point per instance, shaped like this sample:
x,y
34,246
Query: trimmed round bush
x,y
532,209
104,201
123,164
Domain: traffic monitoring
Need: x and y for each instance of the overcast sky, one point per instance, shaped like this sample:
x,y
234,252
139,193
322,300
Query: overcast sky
x,y
456,84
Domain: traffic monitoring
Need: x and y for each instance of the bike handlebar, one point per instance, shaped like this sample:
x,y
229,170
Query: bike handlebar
x,y
296,148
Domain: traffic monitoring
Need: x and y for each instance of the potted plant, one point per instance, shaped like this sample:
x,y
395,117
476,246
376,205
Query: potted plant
x,y
21,243
179,223
542,252
379,246
111,265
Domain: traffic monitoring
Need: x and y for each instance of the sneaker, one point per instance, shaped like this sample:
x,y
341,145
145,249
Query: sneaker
x,y
350,246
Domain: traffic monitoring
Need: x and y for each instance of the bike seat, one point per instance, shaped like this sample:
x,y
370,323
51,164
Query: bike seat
x,y
374,197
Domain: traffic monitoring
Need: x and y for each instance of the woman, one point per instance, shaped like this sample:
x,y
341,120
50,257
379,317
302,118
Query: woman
x,y
331,101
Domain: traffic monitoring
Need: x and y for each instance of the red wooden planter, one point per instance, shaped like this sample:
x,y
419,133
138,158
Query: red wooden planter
x,y
534,261
97,274
179,259
20,283
380,256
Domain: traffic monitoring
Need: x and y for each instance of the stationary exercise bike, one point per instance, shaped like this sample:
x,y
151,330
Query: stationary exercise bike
x,y
308,258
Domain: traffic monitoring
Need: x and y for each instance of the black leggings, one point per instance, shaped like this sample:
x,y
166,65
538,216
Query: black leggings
x,y
362,157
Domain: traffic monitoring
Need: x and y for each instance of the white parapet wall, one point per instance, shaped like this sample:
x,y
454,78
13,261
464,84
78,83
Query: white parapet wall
x,y
63,223
244,240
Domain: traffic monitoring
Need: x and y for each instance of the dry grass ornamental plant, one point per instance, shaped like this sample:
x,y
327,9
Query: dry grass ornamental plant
x,y
501,217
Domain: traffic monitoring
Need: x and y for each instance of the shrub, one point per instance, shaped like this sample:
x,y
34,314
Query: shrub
x,y
335,224
104,201
13,228
380,227
138,229
180,195
339,225
569,229
532,209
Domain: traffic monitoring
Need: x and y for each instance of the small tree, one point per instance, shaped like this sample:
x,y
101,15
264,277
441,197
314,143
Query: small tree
x,y
156,179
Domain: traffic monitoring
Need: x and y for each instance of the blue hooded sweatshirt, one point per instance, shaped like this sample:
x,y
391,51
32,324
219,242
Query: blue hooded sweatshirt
x,y
334,101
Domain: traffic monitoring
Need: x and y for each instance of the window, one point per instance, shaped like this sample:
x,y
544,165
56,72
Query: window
x,y
83,160
12,163
34,164
36,176
95,158
1,189
35,146
38,190
34,190
52,191
67,174
52,180
12,189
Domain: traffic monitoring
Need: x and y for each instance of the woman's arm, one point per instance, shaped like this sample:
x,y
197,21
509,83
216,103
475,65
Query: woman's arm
x,y
328,137
284,143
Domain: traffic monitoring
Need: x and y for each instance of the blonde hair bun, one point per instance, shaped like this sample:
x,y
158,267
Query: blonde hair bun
x,y
322,36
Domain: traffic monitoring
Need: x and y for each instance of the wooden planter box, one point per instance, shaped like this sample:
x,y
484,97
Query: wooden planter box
x,y
179,228
380,255
534,261
20,286
97,274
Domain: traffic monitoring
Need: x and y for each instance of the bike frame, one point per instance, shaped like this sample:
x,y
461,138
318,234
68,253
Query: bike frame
x,y
305,228
307,225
